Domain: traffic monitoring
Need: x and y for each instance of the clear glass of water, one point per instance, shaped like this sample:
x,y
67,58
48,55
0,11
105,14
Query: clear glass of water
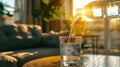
x,y
70,47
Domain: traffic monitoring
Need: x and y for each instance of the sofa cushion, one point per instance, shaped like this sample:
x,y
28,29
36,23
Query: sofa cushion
x,y
3,41
35,30
27,43
13,37
23,31
23,43
52,40
10,30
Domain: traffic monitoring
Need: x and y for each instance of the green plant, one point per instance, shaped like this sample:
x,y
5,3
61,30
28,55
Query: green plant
x,y
1,9
4,11
51,9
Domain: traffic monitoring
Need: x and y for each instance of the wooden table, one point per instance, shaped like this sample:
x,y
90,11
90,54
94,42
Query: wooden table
x,y
88,60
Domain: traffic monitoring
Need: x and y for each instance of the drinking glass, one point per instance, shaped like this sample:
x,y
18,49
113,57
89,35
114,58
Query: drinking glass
x,y
70,47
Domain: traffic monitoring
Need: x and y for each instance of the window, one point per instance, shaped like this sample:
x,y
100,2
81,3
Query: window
x,y
97,12
77,4
112,11
9,5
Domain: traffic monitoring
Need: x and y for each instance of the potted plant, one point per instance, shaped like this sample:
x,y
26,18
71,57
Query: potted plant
x,y
51,12
51,9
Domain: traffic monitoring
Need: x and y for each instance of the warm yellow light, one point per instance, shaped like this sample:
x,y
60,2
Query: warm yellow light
x,y
87,19
82,12
79,4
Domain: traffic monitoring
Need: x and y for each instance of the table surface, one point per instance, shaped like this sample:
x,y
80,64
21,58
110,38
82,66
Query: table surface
x,y
101,61
87,61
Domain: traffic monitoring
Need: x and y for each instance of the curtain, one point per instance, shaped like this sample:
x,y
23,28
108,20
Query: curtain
x,y
20,14
24,9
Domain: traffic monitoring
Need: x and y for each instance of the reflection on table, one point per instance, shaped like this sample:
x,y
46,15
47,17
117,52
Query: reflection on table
x,y
87,60
100,61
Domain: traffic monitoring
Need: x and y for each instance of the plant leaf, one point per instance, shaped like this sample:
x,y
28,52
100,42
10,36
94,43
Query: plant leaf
x,y
46,19
55,16
46,1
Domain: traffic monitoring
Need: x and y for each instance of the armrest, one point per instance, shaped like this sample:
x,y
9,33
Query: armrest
x,y
7,61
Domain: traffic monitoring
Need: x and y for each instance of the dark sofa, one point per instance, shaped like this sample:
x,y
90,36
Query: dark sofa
x,y
20,43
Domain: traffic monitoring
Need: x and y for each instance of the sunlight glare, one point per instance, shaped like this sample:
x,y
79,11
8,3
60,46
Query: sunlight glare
x,y
79,4
87,19
82,12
